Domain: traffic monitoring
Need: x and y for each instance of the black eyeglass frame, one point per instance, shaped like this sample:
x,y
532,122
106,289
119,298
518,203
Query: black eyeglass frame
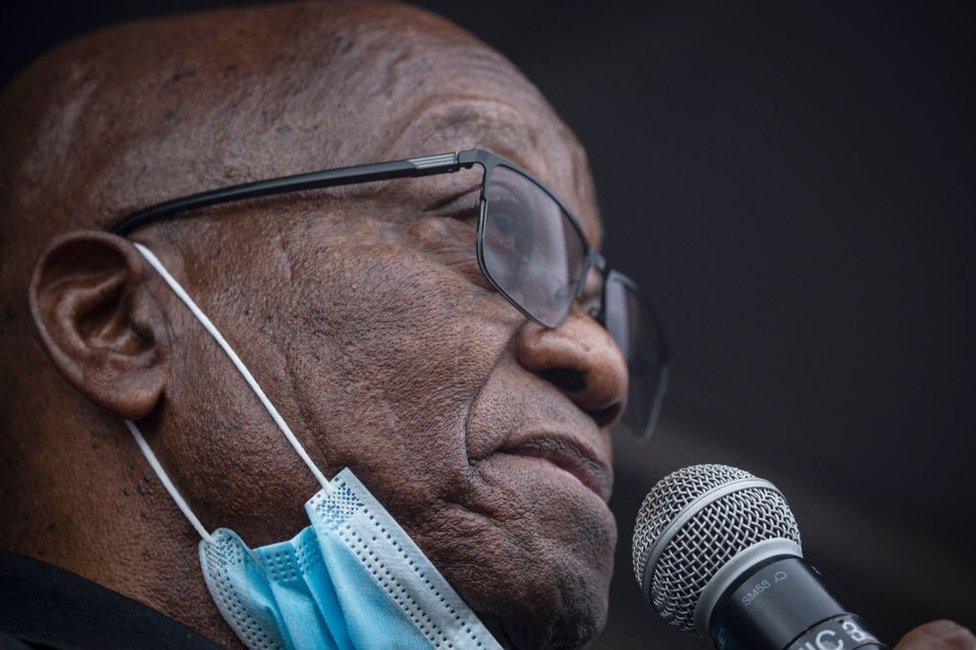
x,y
412,168
407,168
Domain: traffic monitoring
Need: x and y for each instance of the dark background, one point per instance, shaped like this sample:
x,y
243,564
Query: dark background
x,y
793,184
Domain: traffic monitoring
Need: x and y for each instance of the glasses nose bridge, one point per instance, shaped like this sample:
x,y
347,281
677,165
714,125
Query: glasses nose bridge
x,y
595,261
598,261
585,295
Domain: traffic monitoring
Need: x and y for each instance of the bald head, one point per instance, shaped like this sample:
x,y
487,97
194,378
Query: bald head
x,y
137,114
360,310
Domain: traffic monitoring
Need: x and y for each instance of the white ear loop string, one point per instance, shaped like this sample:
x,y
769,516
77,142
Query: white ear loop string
x,y
248,377
168,484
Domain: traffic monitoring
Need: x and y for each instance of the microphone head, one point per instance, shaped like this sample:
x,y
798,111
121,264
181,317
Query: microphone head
x,y
697,529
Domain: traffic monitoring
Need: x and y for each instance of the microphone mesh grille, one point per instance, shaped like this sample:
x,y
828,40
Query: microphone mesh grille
x,y
708,540
668,498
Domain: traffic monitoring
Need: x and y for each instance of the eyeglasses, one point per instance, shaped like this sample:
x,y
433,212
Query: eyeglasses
x,y
530,247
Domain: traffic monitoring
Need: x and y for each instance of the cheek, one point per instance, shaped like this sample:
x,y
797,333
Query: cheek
x,y
388,346
451,242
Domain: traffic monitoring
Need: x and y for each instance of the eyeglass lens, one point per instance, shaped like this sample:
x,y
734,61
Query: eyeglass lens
x,y
532,251
536,256
633,325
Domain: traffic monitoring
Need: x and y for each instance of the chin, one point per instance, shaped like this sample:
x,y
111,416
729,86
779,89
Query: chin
x,y
571,610
564,594
531,552
533,591
570,615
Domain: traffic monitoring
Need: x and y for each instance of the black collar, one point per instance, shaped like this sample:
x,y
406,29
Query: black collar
x,y
42,606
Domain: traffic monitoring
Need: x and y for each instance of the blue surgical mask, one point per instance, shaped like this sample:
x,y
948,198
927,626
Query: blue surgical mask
x,y
353,578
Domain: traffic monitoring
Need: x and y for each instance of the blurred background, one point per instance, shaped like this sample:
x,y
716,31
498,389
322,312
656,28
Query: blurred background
x,y
793,185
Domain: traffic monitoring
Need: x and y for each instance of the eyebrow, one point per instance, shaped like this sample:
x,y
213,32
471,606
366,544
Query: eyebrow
x,y
470,118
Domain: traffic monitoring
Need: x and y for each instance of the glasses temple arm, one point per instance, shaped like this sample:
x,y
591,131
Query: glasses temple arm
x,y
408,168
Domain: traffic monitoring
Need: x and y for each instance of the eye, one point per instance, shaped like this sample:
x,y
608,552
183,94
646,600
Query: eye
x,y
502,216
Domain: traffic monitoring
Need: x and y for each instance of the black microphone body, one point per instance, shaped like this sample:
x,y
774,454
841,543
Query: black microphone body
x,y
781,604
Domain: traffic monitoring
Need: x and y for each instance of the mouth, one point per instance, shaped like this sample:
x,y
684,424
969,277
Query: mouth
x,y
567,455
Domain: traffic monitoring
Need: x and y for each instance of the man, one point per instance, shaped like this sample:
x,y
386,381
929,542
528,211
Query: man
x,y
361,311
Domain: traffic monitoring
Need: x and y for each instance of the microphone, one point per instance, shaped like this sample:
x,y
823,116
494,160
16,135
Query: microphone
x,y
717,553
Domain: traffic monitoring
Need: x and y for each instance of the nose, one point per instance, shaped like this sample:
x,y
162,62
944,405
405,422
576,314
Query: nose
x,y
581,359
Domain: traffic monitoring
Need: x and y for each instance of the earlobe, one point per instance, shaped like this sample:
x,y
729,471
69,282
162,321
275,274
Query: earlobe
x,y
98,322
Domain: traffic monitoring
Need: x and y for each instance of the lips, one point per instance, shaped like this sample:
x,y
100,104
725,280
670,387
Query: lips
x,y
570,456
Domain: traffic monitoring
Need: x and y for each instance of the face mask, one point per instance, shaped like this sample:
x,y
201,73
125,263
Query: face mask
x,y
352,579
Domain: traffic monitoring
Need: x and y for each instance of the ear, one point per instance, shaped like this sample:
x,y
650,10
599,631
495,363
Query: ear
x,y
98,322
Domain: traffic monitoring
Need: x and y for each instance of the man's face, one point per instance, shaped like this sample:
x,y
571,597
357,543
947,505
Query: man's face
x,y
364,316
368,321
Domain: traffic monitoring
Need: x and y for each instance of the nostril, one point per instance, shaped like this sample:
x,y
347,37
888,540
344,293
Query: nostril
x,y
573,383
606,416
565,379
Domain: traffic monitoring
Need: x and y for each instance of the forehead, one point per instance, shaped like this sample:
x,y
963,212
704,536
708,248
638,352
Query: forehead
x,y
502,129
181,105
479,100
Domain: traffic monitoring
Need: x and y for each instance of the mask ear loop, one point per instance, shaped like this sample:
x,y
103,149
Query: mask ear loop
x,y
248,377
167,483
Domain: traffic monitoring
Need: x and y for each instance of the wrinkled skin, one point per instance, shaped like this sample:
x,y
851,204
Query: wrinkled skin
x,y
360,311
